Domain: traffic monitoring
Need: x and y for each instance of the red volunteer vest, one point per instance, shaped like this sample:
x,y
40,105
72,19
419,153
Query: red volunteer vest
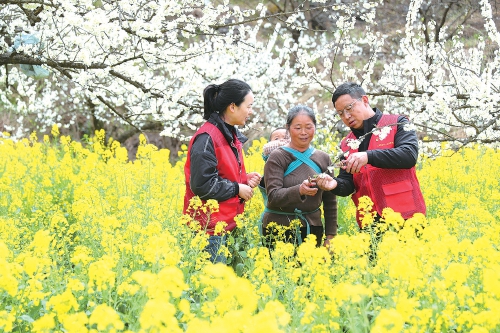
x,y
228,168
398,189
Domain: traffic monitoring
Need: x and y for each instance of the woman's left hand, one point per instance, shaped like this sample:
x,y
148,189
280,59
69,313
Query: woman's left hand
x,y
253,179
307,189
328,243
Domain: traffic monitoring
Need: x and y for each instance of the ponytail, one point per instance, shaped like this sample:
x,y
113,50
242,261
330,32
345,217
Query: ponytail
x,y
209,96
216,98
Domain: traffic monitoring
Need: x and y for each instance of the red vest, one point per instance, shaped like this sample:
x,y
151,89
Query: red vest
x,y
395,188
228,168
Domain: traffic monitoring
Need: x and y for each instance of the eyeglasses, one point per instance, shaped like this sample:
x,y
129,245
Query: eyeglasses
x,y
348,108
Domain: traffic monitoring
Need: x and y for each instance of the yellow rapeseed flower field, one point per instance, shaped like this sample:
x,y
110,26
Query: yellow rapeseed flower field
x,y
90,242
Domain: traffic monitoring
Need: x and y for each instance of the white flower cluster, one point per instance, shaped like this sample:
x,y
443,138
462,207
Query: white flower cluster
x,y
382,132
353,143
141,61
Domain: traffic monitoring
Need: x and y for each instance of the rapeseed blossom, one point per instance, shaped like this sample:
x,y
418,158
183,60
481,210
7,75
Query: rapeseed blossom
x,y
6,321
92,242
101,273
63,303
9,272
75,322
158,315
44,324
105,318
388,321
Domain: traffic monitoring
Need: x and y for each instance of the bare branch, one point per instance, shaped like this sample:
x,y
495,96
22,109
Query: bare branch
x,y
150,126
32,15
134,83
444,134
266,17
20,2
113,109
412,94
19,58
441,23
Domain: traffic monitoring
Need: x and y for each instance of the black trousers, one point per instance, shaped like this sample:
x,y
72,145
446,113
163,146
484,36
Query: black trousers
x,y
290,236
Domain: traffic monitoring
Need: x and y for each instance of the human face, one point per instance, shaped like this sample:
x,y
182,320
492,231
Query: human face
x,y
353,111
278,134
348,108
238,115
301,131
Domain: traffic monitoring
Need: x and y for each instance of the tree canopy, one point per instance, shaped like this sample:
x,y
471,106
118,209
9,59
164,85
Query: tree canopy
x,y
136,65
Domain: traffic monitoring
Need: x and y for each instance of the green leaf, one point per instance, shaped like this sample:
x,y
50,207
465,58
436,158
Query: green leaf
x,y
240,269
27,318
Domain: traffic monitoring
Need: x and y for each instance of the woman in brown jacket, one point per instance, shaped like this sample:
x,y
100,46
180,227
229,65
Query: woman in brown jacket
x,y
291,194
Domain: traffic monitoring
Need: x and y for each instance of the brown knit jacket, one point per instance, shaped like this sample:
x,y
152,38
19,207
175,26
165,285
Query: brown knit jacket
x,y
283,192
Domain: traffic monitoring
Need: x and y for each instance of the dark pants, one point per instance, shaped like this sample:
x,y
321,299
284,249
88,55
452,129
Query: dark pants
x,y
376,233
290,236
213,248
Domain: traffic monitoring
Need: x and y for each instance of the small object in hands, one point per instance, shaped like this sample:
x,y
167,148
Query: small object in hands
x,y
339,165
312,180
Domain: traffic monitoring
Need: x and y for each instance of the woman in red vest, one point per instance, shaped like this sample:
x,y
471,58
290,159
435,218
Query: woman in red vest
x,y
214,167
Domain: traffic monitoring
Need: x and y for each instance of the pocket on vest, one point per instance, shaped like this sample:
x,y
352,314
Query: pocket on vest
x,y
399,196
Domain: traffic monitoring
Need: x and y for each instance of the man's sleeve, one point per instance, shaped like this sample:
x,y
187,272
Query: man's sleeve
x,y
404,154
345,184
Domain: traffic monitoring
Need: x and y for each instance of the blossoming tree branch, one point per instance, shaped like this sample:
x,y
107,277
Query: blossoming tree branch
x,y
143,64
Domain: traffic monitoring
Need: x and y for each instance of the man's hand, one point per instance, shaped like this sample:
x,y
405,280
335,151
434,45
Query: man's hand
x,y
326,182
355,162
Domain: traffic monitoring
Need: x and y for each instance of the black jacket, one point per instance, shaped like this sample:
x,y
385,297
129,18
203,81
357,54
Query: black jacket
x,y
205,180
403,156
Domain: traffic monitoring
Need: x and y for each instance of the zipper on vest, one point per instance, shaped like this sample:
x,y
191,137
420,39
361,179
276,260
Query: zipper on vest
x,y
237,155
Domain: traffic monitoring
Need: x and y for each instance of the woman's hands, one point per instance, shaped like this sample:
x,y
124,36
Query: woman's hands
x,y
328,243
253,179
308,188
245,192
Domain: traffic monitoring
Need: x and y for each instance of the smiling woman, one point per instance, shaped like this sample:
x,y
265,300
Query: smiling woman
x,y
214,167
291,195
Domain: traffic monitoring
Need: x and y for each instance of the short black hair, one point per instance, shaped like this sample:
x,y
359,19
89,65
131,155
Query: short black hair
x,y
348,88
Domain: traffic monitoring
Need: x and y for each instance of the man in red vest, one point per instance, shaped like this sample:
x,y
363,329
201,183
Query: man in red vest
x,y
378,163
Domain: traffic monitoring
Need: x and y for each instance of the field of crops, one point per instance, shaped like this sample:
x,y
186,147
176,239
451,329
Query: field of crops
x,y
90,242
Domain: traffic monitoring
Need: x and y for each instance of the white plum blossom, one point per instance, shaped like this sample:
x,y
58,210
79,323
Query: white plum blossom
x,y
382,132
353,143
409,127
145,62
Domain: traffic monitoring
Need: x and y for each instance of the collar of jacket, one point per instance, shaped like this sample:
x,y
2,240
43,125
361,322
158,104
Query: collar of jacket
x,y
226,129
368,124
